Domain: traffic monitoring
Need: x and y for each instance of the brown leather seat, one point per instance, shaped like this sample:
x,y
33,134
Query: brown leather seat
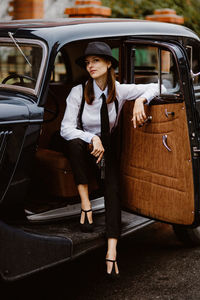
x,y
55,172
53,168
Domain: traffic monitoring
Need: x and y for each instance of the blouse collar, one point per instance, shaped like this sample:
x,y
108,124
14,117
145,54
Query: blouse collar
x,y
98,92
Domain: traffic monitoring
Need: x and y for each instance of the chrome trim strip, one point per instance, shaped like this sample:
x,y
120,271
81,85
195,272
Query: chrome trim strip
x,y
159,69
21,121
18,88
64,212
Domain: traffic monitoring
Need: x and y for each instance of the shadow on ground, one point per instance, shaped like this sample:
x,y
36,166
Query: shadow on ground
x,y
153,265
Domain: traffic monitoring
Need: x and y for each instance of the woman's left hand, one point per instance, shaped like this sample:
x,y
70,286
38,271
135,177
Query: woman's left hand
x,y
98,149
138,111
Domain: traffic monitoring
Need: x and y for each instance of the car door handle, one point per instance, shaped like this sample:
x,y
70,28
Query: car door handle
x,y
164,140
148,120
167,113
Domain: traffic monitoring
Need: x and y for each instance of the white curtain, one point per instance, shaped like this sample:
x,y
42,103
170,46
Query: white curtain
x,y
55,8
4,10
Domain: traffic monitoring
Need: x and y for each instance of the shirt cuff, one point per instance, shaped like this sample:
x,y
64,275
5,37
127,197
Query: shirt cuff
x,y
149,96
88,137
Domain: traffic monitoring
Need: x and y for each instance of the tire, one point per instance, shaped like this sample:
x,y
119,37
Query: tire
x,y
188,236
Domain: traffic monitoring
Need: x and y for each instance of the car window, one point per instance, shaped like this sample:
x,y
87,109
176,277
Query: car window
x,y
152,64
59,73
193,52
115,54
20,66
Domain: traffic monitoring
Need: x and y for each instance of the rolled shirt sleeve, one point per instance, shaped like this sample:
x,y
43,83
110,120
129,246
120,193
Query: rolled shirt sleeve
x,y
134,91
69,128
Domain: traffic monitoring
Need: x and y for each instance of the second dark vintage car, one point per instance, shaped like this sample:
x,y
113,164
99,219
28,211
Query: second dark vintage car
x,y
159,162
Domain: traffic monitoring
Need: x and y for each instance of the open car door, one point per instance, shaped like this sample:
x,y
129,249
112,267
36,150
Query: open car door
x,y
157,167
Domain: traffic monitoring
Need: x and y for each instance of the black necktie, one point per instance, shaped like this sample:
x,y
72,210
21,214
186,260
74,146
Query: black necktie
x,y
105,126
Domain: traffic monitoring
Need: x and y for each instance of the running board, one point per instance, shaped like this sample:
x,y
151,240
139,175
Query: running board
x,y
72,210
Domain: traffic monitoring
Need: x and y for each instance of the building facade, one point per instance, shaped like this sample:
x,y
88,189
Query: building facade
x,y
52,8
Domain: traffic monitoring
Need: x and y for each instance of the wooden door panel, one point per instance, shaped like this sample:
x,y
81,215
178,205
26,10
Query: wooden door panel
x,y
156,182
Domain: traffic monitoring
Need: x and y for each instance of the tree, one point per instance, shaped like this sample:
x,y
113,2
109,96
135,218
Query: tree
x,y
190,9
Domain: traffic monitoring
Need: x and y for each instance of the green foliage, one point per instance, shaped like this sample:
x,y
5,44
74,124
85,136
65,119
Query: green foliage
x,y
189,9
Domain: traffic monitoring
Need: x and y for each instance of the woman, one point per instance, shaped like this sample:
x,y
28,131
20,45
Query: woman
x,y
85,116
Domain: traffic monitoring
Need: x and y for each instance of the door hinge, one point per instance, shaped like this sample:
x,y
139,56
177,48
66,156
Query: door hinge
x,y
196,151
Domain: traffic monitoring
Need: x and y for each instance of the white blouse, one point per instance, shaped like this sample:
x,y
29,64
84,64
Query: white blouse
x,y
91,119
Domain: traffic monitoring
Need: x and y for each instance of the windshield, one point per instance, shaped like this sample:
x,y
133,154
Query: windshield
x,y
21,70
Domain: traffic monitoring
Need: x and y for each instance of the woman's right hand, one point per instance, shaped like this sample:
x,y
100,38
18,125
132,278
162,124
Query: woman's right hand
x,y
138,111
98,149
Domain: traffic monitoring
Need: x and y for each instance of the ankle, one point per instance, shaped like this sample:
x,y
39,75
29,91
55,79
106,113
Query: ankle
x,y
111,255
86,205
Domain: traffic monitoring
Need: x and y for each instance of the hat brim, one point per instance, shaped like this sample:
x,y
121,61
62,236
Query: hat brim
x,y
81,60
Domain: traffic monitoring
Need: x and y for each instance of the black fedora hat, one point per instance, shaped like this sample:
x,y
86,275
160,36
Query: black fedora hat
x,y
98,49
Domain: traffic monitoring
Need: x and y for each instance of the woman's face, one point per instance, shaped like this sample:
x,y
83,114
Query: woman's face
x,y
97,66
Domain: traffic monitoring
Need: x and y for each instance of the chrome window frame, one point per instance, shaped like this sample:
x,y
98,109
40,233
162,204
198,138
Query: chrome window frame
x,y
33,42
162,46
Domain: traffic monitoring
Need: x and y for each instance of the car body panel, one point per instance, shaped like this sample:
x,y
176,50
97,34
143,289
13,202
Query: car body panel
x,y
19,126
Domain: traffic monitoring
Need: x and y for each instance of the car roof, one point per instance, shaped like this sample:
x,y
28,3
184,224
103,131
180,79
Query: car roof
x,y
71,29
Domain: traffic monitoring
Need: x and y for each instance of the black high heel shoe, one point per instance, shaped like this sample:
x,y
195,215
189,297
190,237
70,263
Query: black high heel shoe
x,y
86,226
113,273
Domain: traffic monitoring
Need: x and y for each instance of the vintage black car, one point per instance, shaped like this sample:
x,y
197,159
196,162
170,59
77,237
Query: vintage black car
x,y
159,162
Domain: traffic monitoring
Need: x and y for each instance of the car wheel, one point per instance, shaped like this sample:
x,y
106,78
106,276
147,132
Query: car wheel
x,y
188,236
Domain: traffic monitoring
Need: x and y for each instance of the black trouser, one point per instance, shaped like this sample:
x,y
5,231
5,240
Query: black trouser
x,y
81,162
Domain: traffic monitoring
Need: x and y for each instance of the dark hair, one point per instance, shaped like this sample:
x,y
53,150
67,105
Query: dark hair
x,y
89,91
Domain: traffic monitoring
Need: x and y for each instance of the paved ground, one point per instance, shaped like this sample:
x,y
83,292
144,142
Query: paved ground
x,y
153,265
